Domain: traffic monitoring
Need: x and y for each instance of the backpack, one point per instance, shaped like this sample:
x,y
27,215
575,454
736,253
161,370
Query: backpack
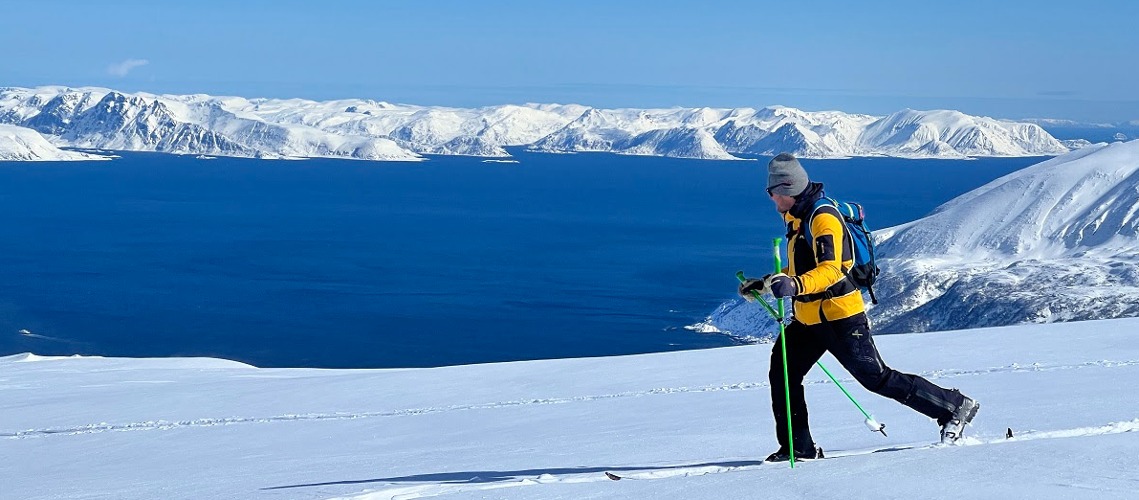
x,y
865,270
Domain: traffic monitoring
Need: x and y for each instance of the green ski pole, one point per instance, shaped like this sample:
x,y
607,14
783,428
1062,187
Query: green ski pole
x,y
783,345
871,424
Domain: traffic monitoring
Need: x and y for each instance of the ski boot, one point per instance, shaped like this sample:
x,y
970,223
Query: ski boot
x,y
783,456
952,429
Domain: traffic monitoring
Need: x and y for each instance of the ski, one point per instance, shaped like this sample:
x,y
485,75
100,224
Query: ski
x,y
741,465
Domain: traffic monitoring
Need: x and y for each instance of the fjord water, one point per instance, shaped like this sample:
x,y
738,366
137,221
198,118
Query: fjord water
x,y
339,263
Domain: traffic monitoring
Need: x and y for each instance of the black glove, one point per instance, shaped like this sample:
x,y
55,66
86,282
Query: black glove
x,y
752,285
782,285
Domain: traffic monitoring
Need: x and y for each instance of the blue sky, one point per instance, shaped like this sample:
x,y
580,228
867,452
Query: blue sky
x,y
1005,59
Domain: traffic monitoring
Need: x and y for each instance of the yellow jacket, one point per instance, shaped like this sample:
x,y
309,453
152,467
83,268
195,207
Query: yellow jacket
x,y
819,266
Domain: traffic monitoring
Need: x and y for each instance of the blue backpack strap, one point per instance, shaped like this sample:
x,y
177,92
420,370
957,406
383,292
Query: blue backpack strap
x,y
806,224
848,239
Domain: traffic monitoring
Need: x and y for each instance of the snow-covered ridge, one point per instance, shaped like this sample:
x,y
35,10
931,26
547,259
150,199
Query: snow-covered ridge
x,y
1082,201
373,130
24,144
1056,241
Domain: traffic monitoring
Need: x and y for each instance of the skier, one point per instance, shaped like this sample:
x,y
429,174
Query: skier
x,y
829,315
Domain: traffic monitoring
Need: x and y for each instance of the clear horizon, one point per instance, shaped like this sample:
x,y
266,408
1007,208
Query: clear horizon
x,y
1016,61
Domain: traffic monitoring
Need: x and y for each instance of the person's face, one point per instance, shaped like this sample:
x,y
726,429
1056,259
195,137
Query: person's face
x,y
783,203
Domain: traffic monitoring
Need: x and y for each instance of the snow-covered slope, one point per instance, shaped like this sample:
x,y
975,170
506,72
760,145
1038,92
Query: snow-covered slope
x,y
24,144
685,425
374,130
605,130
1057,241
1065,206
943,133
681,143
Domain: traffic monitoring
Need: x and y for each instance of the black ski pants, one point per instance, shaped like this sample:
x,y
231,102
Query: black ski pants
x,y
849,341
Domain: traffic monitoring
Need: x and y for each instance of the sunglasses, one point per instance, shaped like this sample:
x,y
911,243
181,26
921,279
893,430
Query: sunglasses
x,y
769,193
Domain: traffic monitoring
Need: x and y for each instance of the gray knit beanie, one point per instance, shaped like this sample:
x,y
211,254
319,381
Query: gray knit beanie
x,y
786,176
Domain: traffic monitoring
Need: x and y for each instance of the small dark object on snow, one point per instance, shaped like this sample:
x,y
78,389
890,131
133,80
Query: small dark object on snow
x,y
1008,435
612,476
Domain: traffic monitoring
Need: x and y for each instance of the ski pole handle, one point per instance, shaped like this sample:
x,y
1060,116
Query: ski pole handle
x,y
778,256
779,269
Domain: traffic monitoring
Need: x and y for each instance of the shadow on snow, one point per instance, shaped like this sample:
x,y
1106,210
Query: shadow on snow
x,y
499,476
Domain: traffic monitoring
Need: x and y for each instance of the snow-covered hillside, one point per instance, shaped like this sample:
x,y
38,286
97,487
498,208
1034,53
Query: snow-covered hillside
x,y
24,144
1057,241
682,425
949,133
373,130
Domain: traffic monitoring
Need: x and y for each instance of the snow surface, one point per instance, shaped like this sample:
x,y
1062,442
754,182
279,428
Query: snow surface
x,y
24,144
92,117
684,425
1056,241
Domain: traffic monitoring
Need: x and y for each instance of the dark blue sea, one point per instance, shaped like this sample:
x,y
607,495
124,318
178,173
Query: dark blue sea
x,y
340,263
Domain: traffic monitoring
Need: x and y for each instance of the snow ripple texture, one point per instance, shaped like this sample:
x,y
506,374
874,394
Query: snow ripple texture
x,y
160,425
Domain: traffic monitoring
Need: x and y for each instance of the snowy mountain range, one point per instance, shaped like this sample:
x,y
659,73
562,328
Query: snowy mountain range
x,y
691,425
371,130
1057,241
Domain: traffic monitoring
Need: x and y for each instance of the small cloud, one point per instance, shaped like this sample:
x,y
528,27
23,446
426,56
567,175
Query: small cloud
x,y
121,69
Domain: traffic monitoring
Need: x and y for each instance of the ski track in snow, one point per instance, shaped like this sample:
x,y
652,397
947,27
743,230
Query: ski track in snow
x,y
159,425
405,492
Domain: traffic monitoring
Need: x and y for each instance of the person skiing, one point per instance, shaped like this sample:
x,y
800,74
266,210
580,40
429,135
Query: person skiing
x,y
830,315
